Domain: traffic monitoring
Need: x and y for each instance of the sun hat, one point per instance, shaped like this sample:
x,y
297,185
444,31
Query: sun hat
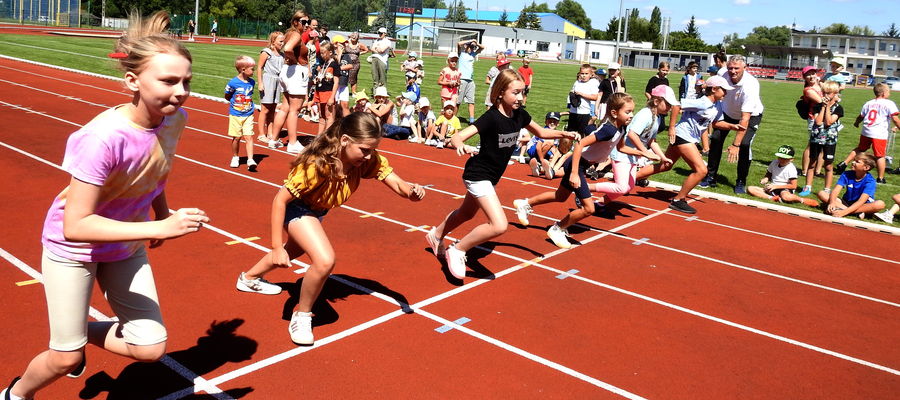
x,y
785,151
413,54
552,115
808,68
361,96
666,93
718,81
381,91
614,65
449,103
423,102
837,60
452,54
410,96
338,39
382,30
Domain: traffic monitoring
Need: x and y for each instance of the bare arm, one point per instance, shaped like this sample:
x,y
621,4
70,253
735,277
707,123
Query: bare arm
x,y
411,191
279,255
263,57
545,133
290,43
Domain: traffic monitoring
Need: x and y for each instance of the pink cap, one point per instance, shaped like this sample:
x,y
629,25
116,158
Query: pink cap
x,y
718,81
666,93
809,68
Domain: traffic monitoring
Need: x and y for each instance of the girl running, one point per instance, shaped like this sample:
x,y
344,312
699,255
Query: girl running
x,y
696,117
270,62
96,227
641,139
498,129
591,149
323,177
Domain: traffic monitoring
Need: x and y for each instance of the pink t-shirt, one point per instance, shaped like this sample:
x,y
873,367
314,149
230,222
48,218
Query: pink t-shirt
x,y
450,75
129,163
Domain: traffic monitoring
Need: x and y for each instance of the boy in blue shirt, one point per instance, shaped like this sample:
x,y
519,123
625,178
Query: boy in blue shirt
x,y
239,93
860,185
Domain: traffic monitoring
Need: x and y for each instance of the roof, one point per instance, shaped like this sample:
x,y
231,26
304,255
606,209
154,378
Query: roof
x,y
785,50
798,32
483,15
507,31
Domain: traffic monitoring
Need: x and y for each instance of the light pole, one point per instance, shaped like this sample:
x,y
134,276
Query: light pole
x,y
619,30
516,43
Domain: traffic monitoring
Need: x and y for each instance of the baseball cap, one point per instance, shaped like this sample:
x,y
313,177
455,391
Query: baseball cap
x,y
712,69
600,71
718,81
552,115
410,96
413,54
338,39
452,54
614,65
808,68
382,30
785,152
449,103
381,91
502,61
423,102
837,60
666,93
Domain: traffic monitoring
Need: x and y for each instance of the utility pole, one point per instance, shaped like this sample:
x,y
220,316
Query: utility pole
x,y
619,30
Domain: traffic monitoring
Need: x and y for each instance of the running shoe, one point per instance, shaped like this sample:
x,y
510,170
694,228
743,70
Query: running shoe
x,y
885,216
559,236
642,182
682,206
258,285
294,148
300,328
807,190
522,210
740,188
436,245
456,262
235,162
251,165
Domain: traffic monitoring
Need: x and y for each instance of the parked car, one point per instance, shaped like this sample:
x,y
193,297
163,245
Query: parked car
x,y
893,82
849,78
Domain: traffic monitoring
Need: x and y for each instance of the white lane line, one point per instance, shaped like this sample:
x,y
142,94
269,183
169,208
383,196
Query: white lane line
x,y
200,384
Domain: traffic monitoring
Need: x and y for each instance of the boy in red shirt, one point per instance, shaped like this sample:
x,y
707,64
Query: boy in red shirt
x,y
526,73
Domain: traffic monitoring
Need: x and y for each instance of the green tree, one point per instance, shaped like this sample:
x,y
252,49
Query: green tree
x,y
572,11
504,19
528,19
655,24
457,12
434,4
837,29
862,30
538,8
691,29
775,36
682,41
892,31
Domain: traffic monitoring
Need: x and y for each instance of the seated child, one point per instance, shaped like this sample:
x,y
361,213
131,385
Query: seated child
x,y
425,125
405,113
888,215
781,180
860,185
542,154
446,125
361,101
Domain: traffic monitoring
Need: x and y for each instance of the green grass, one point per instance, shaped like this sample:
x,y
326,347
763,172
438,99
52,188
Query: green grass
x,y
213,66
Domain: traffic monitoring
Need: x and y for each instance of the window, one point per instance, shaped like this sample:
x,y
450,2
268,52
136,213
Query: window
x,y
595,55
543,46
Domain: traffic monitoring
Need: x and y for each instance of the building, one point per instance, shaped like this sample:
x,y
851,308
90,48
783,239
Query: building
x,y
871,55
433,16
636,54
514,41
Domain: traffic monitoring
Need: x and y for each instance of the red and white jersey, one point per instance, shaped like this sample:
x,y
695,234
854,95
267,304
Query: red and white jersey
x,y
876,115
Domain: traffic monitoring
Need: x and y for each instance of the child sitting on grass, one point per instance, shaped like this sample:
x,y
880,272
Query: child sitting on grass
x,y
888,215
860,185
781,180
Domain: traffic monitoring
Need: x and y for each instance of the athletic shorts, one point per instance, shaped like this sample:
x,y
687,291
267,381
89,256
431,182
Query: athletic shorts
x,y
297,208
128,286
272,94
583,191
778,192
827,150
466,92
480,189
680,141
294,79
343,94
240,126
879,146
322,97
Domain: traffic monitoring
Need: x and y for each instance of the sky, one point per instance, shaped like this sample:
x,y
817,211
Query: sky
x,y
719,18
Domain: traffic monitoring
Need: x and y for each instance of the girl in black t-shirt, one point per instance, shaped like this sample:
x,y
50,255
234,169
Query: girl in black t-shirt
x,y
498,129
327,75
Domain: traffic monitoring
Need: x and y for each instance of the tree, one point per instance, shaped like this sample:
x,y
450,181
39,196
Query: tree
x,y
538,8
528,19
682,41
433,4
837,29
655,24
691,29
775,36
572,11
504,19
457,12
862,31
892,31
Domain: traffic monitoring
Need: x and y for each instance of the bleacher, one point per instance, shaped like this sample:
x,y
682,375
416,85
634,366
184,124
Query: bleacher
x,y
778,72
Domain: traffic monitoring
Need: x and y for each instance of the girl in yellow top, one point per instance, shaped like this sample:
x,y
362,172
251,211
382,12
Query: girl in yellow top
x,y
323,177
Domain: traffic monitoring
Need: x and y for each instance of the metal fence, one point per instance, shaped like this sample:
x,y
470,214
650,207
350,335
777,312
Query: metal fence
x,y
42,12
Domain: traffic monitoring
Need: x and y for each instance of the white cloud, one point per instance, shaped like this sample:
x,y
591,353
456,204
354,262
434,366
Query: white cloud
x,y
495,8
741,2
697,21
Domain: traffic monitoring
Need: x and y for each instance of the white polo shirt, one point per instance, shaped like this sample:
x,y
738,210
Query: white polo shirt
x,y
743,98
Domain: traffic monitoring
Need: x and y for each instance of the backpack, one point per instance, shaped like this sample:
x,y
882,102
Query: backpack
x,y
802,109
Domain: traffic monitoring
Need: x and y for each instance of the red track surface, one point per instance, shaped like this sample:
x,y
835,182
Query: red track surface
x,y
737,303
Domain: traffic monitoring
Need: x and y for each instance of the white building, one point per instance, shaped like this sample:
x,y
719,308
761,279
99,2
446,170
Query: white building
x,y
636,54
503,39
871,55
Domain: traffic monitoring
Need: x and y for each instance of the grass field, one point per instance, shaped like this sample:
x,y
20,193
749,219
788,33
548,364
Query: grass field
x,y
213,66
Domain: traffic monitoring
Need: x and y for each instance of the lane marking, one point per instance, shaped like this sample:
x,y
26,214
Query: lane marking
x,y
420,228
640,241
567,274
244,240
371,214
448,327
26,283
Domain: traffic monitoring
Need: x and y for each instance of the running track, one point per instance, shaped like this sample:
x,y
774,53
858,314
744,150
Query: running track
x,y
733,303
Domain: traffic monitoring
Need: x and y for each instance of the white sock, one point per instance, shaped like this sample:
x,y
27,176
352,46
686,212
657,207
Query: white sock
x,y
6,392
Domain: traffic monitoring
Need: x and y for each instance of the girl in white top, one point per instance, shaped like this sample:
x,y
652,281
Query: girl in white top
x,y
271,60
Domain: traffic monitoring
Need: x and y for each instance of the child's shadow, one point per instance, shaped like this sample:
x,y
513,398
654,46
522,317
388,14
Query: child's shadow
x,y
338,287
153,380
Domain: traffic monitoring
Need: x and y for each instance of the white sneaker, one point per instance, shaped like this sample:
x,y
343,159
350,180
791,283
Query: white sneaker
x,y
439,144
885,216
300,328
314,119
274,144
294,148
251,164
258,285
235,162
522,210
558,236
437,245
456,262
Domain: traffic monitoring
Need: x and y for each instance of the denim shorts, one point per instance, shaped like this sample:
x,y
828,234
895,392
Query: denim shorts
x,y
297,208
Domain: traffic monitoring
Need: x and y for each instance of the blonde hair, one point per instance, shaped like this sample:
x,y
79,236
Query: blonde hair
x,y
273,37
615,103
325,149
242,62
144,39
866,158
831,87
501,82
880,89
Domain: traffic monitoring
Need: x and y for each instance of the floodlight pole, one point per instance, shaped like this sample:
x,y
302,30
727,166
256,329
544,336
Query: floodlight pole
x,y
196,15
619,30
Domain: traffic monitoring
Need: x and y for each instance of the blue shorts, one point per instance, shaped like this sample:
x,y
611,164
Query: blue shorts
x,y
297,208
396,132
583,191
532,152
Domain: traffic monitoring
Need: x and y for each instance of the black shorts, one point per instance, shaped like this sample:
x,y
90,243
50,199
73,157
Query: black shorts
x,y
527,89
777,192
826,149
679,141
297,208
583,191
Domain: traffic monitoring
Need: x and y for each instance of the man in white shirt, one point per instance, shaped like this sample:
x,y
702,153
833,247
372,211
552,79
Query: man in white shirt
x,y
742,106
381,50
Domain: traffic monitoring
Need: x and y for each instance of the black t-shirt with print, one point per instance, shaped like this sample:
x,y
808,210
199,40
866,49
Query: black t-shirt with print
x,y
498,142
655,81
325,76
